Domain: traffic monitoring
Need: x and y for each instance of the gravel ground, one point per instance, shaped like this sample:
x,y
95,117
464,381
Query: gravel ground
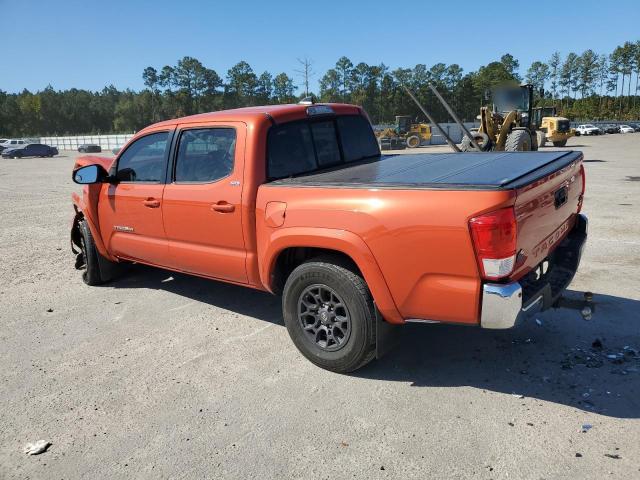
x,y
161,375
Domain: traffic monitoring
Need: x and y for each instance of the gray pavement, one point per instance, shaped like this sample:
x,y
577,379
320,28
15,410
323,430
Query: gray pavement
x,y
161,375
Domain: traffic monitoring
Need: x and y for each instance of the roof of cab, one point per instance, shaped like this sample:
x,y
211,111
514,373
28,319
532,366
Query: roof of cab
x,y
278,113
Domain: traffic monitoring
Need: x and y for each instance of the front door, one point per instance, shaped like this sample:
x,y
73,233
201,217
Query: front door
x,y
130,211
202,202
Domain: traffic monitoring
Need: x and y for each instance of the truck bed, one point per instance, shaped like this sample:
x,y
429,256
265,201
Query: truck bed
x,y
453,171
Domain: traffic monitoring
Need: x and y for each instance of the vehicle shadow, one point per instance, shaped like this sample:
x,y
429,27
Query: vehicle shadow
x,y
242,300
561,359
555,360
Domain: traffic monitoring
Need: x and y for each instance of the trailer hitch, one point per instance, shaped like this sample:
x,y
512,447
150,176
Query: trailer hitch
x,y
586,306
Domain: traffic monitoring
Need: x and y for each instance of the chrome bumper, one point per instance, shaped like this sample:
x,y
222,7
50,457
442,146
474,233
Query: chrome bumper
x,y
504,304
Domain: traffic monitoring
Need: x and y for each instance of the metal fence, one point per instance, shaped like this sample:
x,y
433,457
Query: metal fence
x,y
107,142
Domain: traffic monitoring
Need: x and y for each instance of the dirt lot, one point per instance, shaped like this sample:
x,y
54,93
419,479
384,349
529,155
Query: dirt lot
x,y
161,375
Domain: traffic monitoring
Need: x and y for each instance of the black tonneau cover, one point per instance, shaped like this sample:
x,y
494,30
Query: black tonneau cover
x,y
455,171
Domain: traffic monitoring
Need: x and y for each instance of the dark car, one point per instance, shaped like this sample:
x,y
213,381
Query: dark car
x,y
89,148
31,150
611,128
635,126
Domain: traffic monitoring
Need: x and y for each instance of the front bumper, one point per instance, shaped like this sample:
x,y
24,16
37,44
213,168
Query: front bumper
x,y
503,304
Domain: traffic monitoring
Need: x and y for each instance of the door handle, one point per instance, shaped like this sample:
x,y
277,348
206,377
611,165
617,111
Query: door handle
x,y
151,203
223,207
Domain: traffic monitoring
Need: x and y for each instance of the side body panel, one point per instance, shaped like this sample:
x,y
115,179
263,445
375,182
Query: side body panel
x,y
418,240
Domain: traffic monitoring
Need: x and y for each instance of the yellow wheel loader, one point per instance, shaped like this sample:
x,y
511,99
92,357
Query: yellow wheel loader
x,y
551,127
508,125
404,134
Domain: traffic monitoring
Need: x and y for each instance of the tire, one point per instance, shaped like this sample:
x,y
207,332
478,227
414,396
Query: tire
x,y
90,255
413,141
352,344
542,138
560,143
482,139
577,133
518,141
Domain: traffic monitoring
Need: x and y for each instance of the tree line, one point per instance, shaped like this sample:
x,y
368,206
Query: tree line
x,y
582,86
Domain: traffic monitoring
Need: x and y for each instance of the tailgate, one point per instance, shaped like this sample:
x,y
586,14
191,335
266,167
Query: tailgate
x,y
545,213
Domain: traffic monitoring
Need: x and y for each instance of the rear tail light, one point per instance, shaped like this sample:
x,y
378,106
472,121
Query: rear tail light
x,y
584,184
494,238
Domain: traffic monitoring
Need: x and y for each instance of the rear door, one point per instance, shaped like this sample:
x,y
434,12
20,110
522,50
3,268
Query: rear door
x,y
202,201
130,211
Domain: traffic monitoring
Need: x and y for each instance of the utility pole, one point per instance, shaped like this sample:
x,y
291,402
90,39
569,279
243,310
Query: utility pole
x,y
306,72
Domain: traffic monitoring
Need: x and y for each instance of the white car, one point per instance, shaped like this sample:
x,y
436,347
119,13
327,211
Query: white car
x,y
588,129
14,143
626,129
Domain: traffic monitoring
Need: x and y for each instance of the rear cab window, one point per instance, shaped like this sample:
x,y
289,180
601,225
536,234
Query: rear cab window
x,y
306,146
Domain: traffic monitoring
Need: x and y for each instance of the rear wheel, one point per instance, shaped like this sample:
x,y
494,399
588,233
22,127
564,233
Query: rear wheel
x,y
560,143
542,138
413,141
330,316
518,141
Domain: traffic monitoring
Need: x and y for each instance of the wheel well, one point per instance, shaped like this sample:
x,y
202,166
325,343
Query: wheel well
x,y
290,258
75,230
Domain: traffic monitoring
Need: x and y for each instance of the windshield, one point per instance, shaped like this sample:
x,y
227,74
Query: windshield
x,y
506,100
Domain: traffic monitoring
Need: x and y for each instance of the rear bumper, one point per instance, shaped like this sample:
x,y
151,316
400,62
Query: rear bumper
x,y
504,304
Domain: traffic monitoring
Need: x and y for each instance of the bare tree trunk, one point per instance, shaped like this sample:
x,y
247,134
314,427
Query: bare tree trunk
x,y
635,93
621,97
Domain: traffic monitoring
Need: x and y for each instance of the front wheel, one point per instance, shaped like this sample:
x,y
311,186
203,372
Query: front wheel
x,y
330,315
88,260
413,141
518,141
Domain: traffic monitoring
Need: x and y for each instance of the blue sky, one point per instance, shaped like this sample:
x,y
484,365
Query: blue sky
x,y
90,44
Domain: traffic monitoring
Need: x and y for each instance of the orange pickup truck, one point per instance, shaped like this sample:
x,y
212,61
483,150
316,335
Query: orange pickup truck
x,y
297,200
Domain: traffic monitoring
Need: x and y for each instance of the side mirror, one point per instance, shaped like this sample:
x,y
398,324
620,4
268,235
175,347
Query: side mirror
x,y
89,174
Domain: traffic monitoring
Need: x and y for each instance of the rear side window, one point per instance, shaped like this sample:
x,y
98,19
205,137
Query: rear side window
x,y
291,150
144,159
305,146
357,140
205,155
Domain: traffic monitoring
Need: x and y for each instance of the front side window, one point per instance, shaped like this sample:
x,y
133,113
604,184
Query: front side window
x,y
144,159
205,155
305,146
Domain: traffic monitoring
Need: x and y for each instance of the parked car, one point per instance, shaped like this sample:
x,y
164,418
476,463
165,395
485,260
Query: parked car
x,y
635,126
89,148
298,200
626,129
588,129
31,150
610,128
14,143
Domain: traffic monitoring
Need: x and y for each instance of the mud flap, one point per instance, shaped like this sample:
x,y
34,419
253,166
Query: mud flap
x,y
387,335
